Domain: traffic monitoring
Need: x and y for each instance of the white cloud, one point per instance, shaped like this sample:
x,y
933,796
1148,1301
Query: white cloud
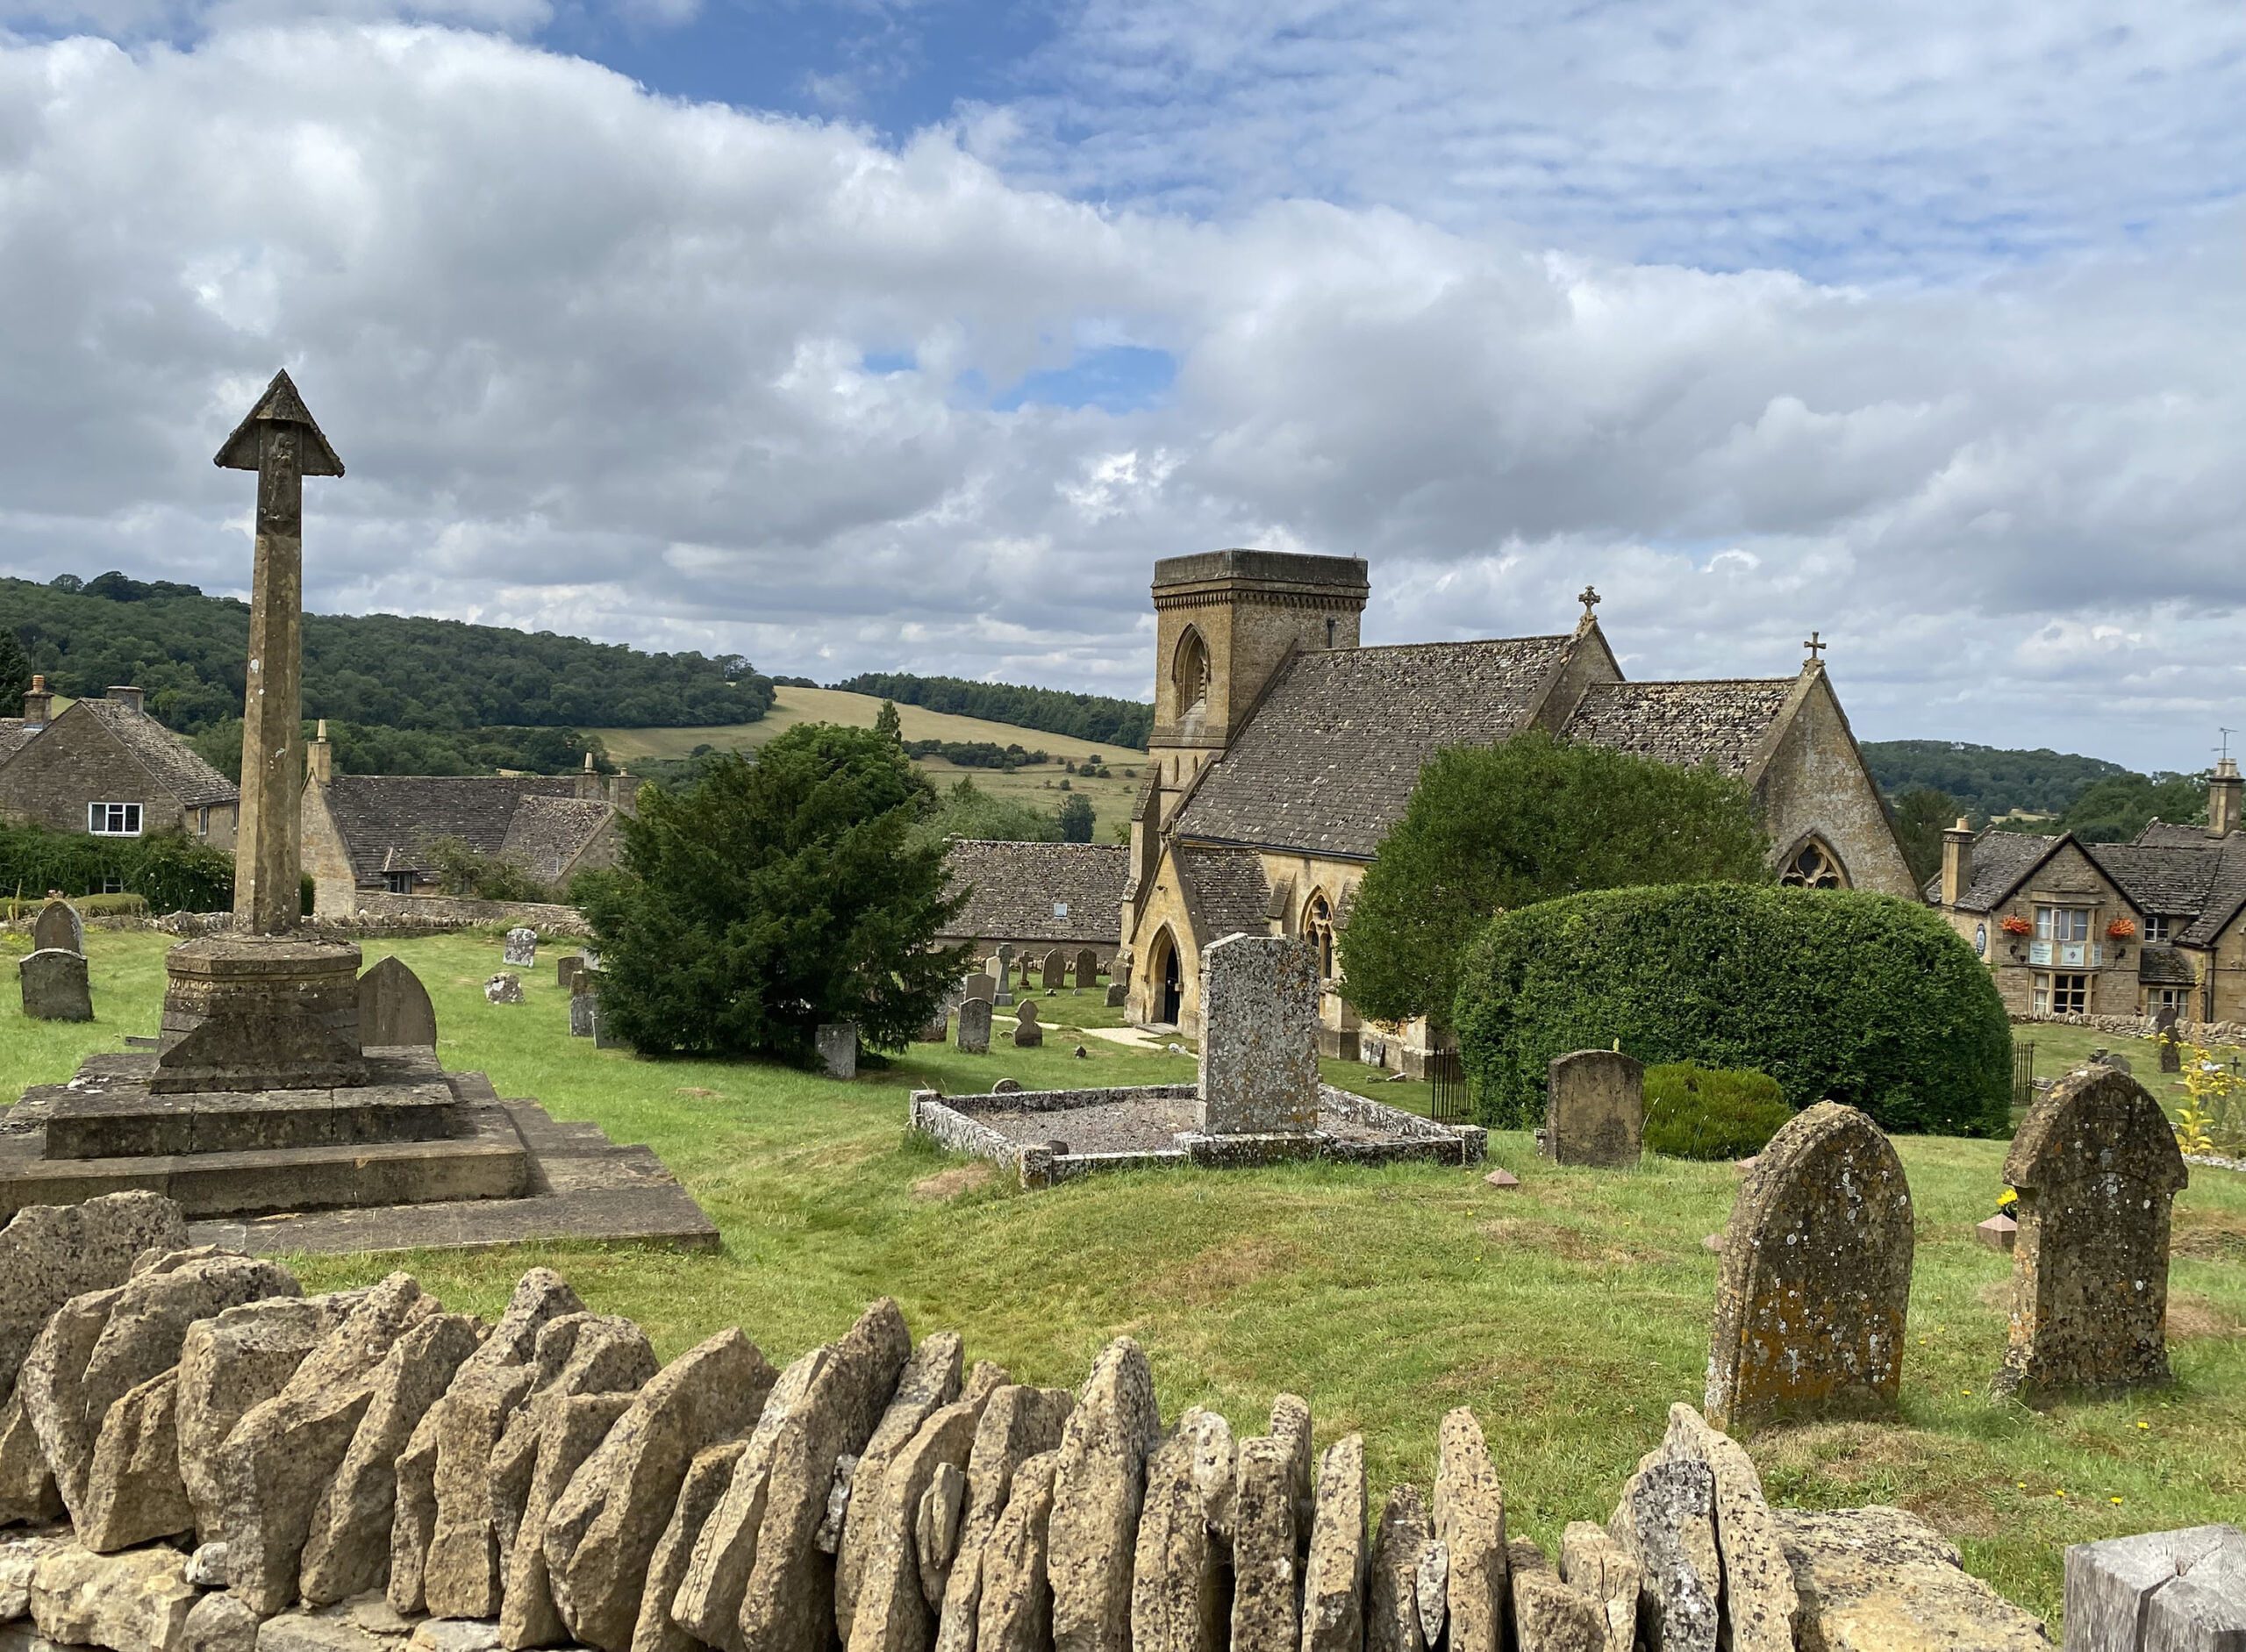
x,y
595,360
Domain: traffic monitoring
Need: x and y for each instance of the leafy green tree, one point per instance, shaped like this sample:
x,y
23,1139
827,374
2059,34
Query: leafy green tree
x,y
462,870
966,811
2117,808
1075,817
1492,828
15,669
773,897
1921,816
1098,718
888,724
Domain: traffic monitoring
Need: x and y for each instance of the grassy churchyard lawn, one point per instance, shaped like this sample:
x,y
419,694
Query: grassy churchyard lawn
x,y
1570,1314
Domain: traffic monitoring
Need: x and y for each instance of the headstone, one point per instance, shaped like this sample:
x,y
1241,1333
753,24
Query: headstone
x,y
1055,972
2182,1589
2096,1166
937,1028
55,986
1595,1109
1087,969
1119,994
1027,1033
604,1036
394,1007
1259,1036
566,967
585,1002
975,1027
522,948
58,927
1999,1233
504,988
1815,1282
837,1049
1005,962
980,985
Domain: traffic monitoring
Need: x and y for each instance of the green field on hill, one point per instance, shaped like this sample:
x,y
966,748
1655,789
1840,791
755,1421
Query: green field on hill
x,y
1570,1314
1039,783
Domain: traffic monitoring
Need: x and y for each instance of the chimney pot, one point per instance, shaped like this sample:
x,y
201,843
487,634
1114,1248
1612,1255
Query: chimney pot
x,y
39,703
128,695
1956,862
2224,787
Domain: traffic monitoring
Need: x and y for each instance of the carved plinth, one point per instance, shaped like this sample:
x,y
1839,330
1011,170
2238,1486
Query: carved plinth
x,y
259,1013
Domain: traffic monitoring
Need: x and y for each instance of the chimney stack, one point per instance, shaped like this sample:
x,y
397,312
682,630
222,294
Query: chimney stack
x,y
322,755
2223,788
624,794
131,698
588,782
1956,862
39,705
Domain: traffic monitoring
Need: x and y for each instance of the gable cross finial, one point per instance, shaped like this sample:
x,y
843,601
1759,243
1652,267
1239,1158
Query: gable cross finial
x,y
1816,646
1590,599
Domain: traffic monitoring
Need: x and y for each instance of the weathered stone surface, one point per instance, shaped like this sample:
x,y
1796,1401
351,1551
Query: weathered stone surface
x,y
98,1346
276,1466
2173,1590
504,988
1392,1590
1590,1560
891,1614
1018,1423
365,1624
55,986
1027,1033
1431,1594
573,1429
1545,1612
1119,994
584,1004
1816,1276
241,1358
219,1623
601,1536
757,1579
837,1043
57,928
134,1490
1272,1496
1873,1579
348,1550
1758,1594
27,1488
453,1635
19,1558
2097,1167
1470,1521
974,1034
1016,1614
133,1602
979,985
1099,1482
206,1566
1666,1521
444,1520
1259,1036
51,1253
394,1007
1177,1601
706,1479
935,1530
521,949
1595,1109
930,1382
1333,1597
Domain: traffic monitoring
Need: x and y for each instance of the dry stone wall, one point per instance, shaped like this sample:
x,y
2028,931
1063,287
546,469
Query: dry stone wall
x,y
218,1463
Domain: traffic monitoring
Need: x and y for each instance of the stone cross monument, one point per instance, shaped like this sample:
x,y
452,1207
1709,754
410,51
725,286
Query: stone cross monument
x,y
280,442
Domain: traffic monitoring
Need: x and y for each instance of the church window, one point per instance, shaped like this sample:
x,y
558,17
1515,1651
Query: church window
x,y
1318,924
2062,994
1329,632
1191,678
1813,867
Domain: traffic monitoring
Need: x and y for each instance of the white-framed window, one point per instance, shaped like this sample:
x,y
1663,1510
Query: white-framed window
x,y
2156,929
203,822
2062,995
112,885
2063,923
398,883
113,820
2159,998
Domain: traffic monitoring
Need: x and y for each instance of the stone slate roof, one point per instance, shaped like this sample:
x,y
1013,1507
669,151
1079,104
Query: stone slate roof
x,y
549,833
15,733
1687,724
2226,893
2163,967
2173,871
2000,860
1329,759
2162,834
170,761
387,821
1013,888
1228,892
2173,882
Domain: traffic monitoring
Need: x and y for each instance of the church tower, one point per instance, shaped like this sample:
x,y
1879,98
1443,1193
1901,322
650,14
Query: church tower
x,y
1225,621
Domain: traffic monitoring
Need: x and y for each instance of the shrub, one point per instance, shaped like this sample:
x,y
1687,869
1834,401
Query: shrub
x,y
1835,994
1711,1112
87,905
172,871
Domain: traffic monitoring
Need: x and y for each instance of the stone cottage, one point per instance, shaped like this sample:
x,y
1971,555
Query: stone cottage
x,y
1035,897
1282,751
109,767
2074,928
368,838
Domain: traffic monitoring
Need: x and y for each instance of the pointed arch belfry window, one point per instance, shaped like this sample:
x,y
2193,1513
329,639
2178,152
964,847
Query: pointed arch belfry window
x,y
1813,865
1190,673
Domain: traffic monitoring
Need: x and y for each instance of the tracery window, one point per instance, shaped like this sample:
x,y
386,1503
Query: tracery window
x,y
1318,923
1813,867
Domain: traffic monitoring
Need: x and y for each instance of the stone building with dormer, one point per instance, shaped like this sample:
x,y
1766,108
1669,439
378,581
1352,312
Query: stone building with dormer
x,y
1284,751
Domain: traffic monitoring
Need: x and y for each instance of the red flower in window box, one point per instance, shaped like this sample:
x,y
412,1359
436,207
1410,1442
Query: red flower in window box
x,y
2122,928
2015,925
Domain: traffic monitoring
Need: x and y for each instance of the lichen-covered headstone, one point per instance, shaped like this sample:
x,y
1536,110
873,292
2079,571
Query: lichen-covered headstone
x,y
55,986
1595,1109
58,926
522,948
1816,1276
1259,1036
1027,1033
975,1027
2096,1166
394,1007
504,988
979,985
585,1002
1087,969
837,1049
1002,966
1119,994
936,1028
566,967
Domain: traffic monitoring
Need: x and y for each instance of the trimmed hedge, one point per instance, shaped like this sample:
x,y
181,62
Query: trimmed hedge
x,y
1711,1112
87,905
172,871
1835,994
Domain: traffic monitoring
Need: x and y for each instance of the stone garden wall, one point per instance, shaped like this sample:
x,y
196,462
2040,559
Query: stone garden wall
x,y
2224,1032
205,1460
397,916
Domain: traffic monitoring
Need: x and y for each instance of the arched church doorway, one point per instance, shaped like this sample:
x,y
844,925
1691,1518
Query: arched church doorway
x,y
1166,975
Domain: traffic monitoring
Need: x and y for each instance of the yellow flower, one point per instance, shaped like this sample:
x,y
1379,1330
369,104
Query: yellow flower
x,y
2142,1423
2056,1492
2114,1500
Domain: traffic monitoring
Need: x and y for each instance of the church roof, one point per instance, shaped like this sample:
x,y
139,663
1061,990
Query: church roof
x,y
171,762
1720,723
387,821
1329,759
1015,890
1226,889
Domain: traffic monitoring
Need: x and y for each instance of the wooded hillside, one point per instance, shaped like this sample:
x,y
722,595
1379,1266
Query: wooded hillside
x,y
1098,718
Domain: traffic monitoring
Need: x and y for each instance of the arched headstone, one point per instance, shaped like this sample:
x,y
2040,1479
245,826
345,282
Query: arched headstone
x,y
1816,1276
979,985
1055,973
522,948
1087,969
1027,1033
56,987
975,1027
1595,1109
57,928
394,1007
2096,1165
566,967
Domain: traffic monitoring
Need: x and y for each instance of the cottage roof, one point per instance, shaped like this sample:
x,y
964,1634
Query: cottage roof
x,y
1721,723
1328,761
2163,967
2225,892
1015,890
2166,834
2173,882
1227,890
549,833
171,762
387,821
15,733
2000,861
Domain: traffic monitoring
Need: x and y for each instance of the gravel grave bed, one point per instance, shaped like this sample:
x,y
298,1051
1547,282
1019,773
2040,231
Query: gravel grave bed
x,y
1133,1126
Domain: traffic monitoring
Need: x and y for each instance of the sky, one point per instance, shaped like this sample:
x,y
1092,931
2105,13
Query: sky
x,y
906,334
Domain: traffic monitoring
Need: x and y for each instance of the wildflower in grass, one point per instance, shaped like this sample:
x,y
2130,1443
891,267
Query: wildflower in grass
x,y
2141,1423
2115,1501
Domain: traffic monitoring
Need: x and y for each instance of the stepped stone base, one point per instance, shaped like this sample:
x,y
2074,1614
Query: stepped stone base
x,y
245,1013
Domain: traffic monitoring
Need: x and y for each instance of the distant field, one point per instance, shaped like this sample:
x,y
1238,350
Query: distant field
x,y
1111,798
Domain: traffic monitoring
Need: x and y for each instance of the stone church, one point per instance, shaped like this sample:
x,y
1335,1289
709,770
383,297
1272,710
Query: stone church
x,y
1282,751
